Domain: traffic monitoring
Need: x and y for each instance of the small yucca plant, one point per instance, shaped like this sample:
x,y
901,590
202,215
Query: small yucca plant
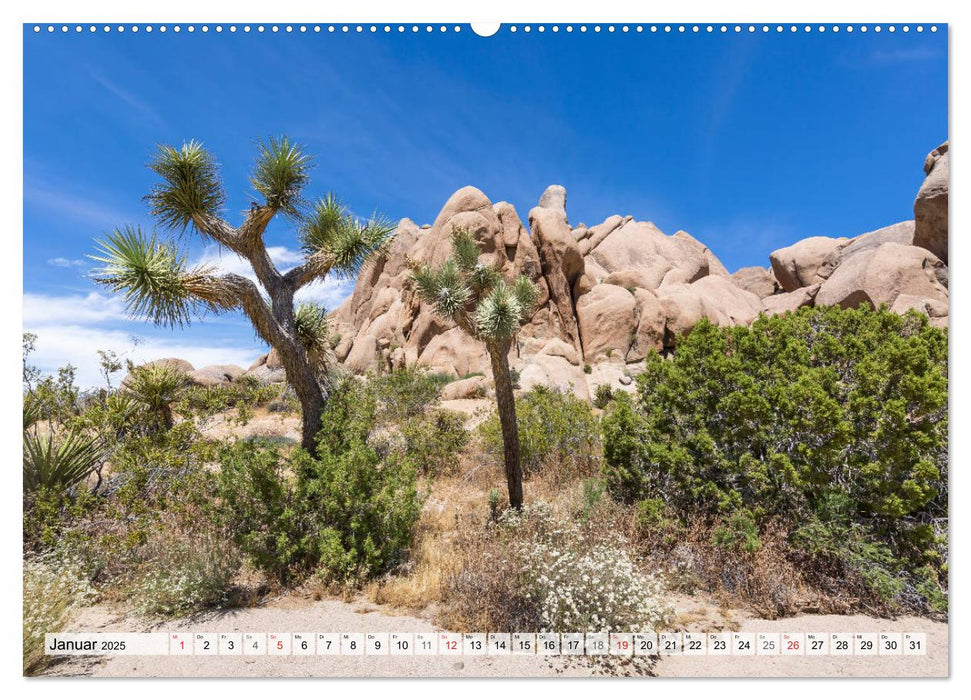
x,y
53,460
482,304
155,387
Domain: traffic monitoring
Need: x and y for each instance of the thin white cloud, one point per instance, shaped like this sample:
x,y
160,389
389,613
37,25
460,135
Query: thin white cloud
x,y
66,204
66,262
128,98
329,293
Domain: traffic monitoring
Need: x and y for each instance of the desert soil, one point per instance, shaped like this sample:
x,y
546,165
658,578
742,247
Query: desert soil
x,y
302,614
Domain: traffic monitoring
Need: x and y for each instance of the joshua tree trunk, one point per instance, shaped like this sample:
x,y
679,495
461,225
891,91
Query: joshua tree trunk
x,y
276,323
499,355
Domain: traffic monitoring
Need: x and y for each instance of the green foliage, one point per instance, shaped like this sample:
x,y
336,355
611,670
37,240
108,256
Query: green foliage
x,y
558,433
59,461
602,396
281,172
343,242
474,294
434,441
346,515
406,393
738,531
777,420
190,185
155,387
313,332
152,277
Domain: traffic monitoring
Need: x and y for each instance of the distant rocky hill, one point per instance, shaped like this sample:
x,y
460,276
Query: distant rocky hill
x,y
610,293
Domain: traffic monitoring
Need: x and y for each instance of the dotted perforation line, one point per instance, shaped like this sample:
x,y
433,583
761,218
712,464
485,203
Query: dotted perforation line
x,y
512,29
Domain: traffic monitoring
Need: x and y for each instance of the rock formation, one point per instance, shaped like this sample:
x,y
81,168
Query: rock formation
x,y
612,292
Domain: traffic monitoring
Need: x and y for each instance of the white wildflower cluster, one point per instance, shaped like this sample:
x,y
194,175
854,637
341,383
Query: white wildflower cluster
x,y
171,592
54,587
585,584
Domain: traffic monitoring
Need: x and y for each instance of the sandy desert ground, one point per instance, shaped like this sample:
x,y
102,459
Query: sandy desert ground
x,y
302,614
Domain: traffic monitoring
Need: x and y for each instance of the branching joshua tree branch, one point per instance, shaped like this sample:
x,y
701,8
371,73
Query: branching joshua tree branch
x,y
158,284
484,306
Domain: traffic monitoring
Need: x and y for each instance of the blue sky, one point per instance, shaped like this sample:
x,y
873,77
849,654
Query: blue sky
x,y
747,141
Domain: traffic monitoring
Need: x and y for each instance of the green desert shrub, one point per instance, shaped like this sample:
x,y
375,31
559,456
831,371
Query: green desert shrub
x,y
405,393
155,387
602,396
558,433
434,441
59,460
786,418
345,516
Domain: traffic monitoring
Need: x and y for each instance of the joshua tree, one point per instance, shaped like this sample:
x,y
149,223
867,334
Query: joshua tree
x,y
158,284
484,306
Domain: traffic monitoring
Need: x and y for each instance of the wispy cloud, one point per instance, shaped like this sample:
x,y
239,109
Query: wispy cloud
x,y
915,55
64,202
65,262
142,108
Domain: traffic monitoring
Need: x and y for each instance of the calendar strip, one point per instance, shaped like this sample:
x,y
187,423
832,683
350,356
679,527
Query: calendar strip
x,y
486,644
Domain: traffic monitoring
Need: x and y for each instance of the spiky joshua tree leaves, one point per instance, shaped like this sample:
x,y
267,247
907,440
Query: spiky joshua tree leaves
x,y
159,285
483,305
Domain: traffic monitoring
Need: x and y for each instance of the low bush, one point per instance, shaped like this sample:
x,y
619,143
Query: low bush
x,y
602,396
347,515
405,393
434,441
529,571
558,434
830,422
184,571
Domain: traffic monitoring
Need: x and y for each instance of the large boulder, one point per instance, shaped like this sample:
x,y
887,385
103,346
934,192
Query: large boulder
x,y
795,266
455,352
363,356
266,374
757,280
608,323
779,304
880,275
470,388
553,371
215,375
640,245
554,198
561,264
930,207
713,297
902,233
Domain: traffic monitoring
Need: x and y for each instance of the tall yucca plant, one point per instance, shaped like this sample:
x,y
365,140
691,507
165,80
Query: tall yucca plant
x,y
483,305
158,284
